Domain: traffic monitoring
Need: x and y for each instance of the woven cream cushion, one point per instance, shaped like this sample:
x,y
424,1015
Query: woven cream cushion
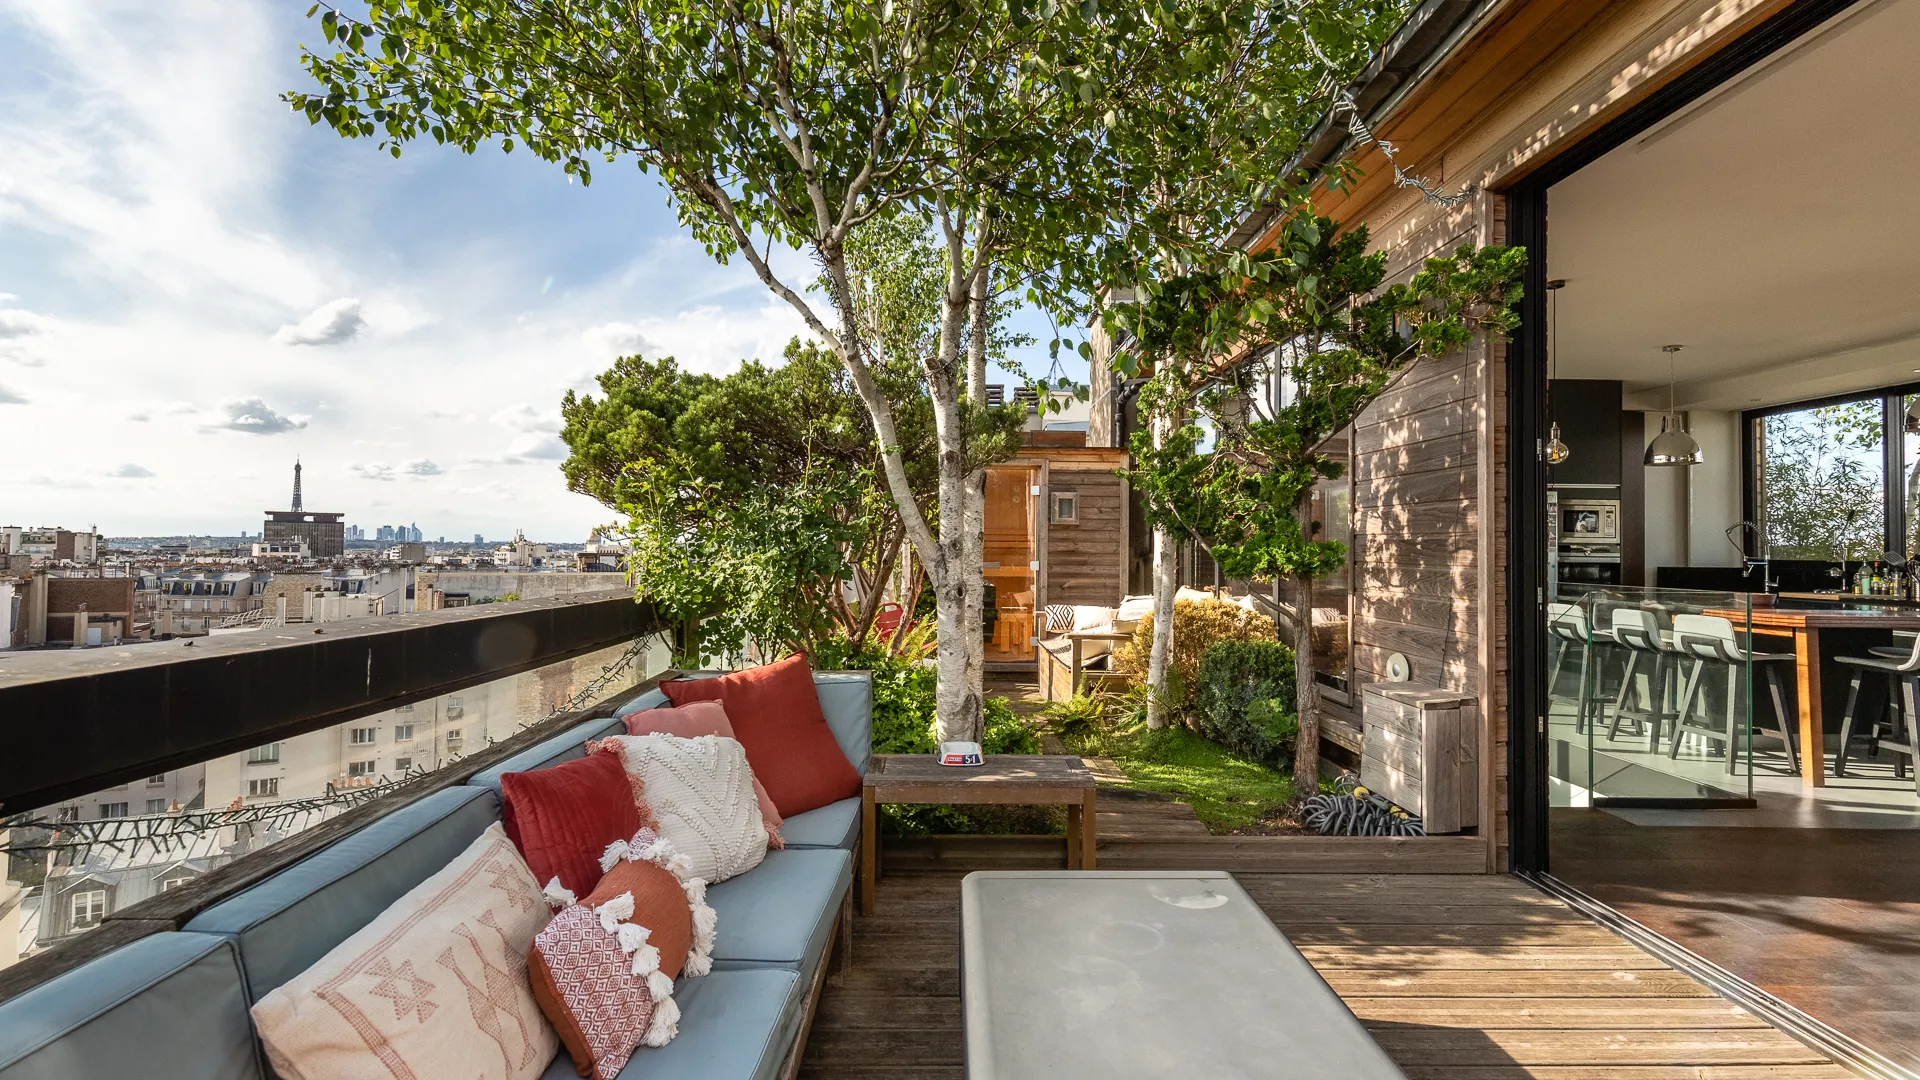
x,y
701,794
435,985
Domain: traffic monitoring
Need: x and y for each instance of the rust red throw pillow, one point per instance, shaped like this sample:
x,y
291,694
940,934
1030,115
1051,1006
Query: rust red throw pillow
x,y
563,818
776,716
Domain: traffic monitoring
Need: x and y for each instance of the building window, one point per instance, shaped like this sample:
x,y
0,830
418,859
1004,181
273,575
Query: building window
x,y
358,769
363,736
113,809
1333,595
264,755
403,733
157,781
404,708
454,708
453,736
265,787
88,907
171,883
156,806
402,764
1822,481
67,813
1066,508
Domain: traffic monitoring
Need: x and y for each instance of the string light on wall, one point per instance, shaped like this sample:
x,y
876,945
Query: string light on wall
x,y
1673,446
1556,451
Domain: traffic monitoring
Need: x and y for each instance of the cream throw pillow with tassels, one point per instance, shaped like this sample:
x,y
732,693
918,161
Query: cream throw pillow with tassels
x,y
701,793
435,985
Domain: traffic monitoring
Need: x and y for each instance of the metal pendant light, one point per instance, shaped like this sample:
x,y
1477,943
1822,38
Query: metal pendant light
x,y
1555,451
1673,446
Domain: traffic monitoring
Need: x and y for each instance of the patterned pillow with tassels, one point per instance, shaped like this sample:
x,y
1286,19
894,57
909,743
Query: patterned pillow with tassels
x,y
603,969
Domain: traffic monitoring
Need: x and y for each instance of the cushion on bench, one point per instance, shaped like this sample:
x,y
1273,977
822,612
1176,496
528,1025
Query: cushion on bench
x,y
564,747
782,913
166,1007
289,921
835,825
846,697
734,1025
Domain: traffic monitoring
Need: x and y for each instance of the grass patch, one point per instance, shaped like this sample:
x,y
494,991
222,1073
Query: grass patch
x,y
1228,792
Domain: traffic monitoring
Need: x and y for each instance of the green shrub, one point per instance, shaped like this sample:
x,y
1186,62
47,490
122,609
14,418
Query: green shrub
x,y
1077,717
1197,625
1244,698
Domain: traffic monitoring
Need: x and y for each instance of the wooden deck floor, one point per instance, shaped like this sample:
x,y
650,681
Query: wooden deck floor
x,y
1458,977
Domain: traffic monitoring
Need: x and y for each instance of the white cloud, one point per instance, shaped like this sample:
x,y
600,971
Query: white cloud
x,y
420,467
138,418
131,471
705,338
256,417
524,417
17,323
621,339
371,470
9,396
333,323
537,446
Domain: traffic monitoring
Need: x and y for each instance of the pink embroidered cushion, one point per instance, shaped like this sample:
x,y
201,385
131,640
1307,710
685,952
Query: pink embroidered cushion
x,y
436,985
603,969
692,720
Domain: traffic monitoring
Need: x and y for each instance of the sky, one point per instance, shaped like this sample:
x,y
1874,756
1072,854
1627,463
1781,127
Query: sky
x,y
197,287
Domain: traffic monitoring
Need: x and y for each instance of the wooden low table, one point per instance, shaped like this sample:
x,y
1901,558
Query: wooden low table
x,y
1005,780
1143,975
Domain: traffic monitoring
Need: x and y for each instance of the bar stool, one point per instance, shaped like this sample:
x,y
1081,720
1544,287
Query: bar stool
x,y
1710,639
1903,688
1572,632
1638,630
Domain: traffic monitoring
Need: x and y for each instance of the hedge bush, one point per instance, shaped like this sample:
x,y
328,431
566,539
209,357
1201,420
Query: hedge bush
x,y
1197,626
1244,698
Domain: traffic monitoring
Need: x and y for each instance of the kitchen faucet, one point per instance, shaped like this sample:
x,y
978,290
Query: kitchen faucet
x,y
1764,562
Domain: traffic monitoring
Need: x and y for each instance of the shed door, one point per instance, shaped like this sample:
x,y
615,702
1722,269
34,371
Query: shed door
x,y
1011,561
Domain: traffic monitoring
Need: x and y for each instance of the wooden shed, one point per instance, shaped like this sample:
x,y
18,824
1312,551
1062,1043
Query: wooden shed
x,y
1056,525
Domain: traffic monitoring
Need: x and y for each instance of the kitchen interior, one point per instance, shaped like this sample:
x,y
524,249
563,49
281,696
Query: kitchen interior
x,y
1734,362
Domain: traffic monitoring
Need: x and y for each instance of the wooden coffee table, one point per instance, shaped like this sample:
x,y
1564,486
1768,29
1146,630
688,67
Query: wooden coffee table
x,y
1005,780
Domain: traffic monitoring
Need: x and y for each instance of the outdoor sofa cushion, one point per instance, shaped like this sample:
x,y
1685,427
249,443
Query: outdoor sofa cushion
x,y
835,825
846,697
734,1025
170,1006
562,818
782,913
776,715
285,924
699,795
691,721
434,985
566,746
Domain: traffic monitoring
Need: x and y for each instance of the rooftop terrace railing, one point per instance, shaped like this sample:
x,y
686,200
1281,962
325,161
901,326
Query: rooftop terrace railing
x,y
86,722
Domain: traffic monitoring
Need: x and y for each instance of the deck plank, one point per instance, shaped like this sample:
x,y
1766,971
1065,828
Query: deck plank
x,y
1458,978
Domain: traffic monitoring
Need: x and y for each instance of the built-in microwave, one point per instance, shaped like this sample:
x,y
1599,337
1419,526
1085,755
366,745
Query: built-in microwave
x,y
1589,521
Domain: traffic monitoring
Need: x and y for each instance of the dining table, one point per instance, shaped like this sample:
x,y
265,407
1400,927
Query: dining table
x,y
1804,625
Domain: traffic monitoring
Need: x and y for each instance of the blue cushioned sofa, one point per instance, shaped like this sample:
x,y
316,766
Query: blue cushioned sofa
x,y
174,1005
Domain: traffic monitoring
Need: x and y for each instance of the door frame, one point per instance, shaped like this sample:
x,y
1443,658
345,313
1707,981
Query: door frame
x,y
1527,208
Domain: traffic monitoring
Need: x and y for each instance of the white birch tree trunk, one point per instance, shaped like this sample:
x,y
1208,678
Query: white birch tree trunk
x,y
1165,568
974,562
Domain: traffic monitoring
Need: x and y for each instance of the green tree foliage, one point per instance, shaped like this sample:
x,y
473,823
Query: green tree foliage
x,y
1311,313
1822,479
750,499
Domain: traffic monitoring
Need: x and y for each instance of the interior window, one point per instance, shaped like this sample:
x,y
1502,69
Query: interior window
x,y
1822,492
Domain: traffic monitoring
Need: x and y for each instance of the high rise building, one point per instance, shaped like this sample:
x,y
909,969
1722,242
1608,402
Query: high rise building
x,y
325,534
384,534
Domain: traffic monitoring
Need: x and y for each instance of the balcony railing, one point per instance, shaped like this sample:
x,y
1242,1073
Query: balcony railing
x,y
80,723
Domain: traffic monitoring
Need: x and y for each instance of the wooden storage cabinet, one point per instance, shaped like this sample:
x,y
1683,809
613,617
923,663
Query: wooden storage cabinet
x,y
1420,750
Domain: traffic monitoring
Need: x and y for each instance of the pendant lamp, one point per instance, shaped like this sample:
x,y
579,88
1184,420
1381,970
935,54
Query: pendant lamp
x,y
1673,446
1555,451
